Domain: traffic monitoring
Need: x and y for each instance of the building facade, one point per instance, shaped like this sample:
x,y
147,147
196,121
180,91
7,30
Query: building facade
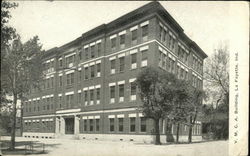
x,y
88,91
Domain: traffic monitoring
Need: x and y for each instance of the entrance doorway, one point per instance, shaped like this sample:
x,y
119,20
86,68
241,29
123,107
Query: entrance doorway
x,y
69,125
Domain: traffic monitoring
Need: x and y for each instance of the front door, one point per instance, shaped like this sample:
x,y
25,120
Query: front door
x,y
69,125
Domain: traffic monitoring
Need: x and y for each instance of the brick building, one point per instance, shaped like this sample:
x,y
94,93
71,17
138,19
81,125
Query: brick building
x,y
89,90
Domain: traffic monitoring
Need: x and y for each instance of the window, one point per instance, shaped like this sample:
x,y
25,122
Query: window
x,y
134,36
99,49
85,125
132,91
91,96
86,97
70,60
144,59
47,103
112,94
60,81
121,92
160,59
79,98
120,124
60,102
70,79
86,72
91,125
52,102
133,61
97,125
144,32
52,82
113,43
132,124
122,41
122,64
79,75
86,50
69,101
111,124
98,70
112,66
142,124
98,97
92,49
92,71
60,62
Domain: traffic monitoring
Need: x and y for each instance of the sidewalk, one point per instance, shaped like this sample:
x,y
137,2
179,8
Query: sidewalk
x,y
64,147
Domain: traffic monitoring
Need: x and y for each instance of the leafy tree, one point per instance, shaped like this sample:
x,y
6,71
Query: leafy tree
x,y
181,98
156,90
7,34
21,68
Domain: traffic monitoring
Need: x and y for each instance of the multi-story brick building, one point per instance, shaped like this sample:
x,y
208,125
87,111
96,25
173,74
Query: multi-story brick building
x,y
89,89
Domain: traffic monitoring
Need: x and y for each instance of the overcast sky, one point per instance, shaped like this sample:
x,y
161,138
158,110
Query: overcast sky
x,y
59,22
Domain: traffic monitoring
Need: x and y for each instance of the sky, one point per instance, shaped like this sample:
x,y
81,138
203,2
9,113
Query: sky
x,y
56,23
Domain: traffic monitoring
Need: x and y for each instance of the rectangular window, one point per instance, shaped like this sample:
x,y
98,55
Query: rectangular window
x,y
70,60
133,61
60,81
122,41
79,98
144,32
134,36
112,66
60,102
85,123
60,63
121,92
97,125
91,97
122,64
86,72
86,51
98,96
144,59
112,94
70,79
99,49
91,125
92,49
98,70
132,91
92,71
120,124
142,124
69,101
51,102
86,97
132,124
111,124
113,43
52,82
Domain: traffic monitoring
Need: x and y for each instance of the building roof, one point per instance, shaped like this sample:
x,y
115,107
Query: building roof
x,y
150,8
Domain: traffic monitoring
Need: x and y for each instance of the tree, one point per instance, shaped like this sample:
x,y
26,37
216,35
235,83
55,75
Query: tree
x,y
181,97
216,74
194,107
216,84
156,92
7,34
21,69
